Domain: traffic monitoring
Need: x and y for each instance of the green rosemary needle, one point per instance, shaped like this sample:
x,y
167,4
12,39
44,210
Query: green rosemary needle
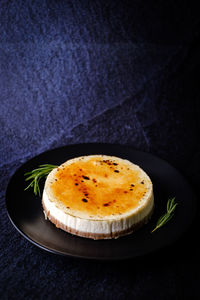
x,y
36,175
171,205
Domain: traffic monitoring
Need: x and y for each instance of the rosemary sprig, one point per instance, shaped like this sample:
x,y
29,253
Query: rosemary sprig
x,y
171,205
36,175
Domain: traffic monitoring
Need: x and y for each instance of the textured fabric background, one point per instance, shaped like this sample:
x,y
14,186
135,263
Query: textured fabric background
x,y
81,71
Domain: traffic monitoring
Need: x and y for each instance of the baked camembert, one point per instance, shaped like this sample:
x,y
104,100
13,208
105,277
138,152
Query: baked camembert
x,y
98,197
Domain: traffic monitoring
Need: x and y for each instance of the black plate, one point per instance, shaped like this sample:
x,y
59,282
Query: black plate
x,y
25,211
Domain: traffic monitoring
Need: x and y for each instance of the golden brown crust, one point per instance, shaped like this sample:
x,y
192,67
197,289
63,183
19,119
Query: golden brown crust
x,y
96,236
113,186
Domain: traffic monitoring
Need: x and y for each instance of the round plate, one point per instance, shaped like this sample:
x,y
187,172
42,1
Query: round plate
x,y
26,214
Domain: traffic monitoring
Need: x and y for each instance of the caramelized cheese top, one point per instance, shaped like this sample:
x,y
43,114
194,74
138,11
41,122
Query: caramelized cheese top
x,y
98,187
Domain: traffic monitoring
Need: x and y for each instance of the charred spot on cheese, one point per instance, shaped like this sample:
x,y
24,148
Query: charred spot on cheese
x,y
76,183
84,200
116,171
86,177
108,162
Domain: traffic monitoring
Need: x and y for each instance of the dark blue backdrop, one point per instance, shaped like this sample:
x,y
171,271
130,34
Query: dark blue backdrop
x,y
80,71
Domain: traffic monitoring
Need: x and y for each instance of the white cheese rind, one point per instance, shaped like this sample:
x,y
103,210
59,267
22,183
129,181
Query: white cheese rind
x,y
98,226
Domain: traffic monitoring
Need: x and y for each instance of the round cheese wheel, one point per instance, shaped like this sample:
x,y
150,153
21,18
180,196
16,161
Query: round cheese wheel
x,y
98,197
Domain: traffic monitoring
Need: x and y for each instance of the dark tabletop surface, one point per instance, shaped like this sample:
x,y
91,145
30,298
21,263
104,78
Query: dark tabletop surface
x,y
77,72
